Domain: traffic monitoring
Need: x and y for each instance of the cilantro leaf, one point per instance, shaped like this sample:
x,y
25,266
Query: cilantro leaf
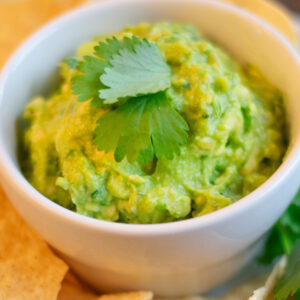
x,y
131,42
106,50
284,234
120,69
142,128
87,85
284,239
138,69
290,283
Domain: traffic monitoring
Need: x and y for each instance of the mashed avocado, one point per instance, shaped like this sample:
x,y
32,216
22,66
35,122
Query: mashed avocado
x,y
237,139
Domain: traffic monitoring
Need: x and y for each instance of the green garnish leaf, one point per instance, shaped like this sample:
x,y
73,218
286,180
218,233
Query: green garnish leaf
x,y
284,239
138,69
121,69
289,285
106,50
87,84
284,234
142,128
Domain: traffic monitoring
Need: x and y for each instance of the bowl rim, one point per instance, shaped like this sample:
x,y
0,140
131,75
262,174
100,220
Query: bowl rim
x,y
11,173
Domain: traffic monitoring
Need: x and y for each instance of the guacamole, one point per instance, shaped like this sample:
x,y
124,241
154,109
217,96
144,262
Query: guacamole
x,y
237,138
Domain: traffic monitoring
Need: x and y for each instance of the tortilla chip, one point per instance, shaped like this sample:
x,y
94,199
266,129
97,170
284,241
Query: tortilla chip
x,y
73,289
128,296
266,292
245,290
241,292
19,18
28,268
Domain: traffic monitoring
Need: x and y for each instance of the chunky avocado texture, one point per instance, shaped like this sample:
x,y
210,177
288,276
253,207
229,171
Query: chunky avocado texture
x,y
237,138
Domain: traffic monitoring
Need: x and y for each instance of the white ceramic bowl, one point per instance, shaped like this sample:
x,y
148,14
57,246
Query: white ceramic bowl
x,y
177,258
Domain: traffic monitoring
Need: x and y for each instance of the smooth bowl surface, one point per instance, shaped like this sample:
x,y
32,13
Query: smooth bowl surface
x,y
171,259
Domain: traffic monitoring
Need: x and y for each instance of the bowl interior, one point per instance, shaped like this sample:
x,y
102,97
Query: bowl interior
x,y
32,70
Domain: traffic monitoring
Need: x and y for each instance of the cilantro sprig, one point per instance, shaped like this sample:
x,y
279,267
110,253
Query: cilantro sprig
x,y
133,75
284,234
289,285
284,239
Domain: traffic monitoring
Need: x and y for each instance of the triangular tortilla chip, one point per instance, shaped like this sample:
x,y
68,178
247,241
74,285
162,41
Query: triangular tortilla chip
x,y
266,292
73,289
19,18
128,296
28,268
